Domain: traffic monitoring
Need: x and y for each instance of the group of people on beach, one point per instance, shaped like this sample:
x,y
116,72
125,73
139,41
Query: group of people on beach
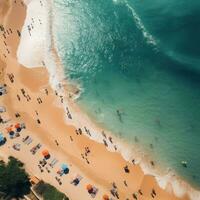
x,y
42,165
108,140
46,162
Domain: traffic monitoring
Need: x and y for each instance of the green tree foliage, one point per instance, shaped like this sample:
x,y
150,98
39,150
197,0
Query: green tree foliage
x,y
48,192
14,181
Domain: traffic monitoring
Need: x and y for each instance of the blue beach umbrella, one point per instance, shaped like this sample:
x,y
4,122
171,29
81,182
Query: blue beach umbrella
x,y
65,168
2,139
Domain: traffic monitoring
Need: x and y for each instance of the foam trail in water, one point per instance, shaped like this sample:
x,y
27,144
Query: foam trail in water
x,y
140,25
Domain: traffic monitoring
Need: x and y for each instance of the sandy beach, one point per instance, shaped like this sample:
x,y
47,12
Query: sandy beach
x,y
31,100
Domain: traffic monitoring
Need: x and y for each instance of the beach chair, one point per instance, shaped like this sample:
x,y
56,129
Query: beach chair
x,y
2,109
3,91
29,141
94,192
16,147
24,139
33,150
23,126
53,163
60,172
76,180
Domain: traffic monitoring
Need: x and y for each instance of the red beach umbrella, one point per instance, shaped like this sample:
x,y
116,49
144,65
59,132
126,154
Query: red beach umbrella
x,y
45,153
9,129
105,197
89,187
17,125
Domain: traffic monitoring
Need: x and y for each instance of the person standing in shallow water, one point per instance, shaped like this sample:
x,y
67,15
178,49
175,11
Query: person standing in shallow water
x,y
119,115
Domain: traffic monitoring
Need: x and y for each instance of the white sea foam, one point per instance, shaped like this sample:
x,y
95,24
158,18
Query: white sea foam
x,y
31,48
148,36
36,49
140,25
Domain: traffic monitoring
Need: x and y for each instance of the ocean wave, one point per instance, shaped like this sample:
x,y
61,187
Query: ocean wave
x,y
191,63
36,44
150,39
37,50
32,44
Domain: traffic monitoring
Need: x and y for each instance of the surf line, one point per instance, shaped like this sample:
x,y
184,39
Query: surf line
x,y
140,25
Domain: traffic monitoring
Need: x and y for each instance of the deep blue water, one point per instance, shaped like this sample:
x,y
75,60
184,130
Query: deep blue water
x,y
141,58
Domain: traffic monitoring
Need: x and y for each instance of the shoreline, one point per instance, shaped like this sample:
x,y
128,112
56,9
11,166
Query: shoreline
x,y
141,158
76,111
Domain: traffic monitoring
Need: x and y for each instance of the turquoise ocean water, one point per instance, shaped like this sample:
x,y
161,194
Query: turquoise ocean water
x,y
139,64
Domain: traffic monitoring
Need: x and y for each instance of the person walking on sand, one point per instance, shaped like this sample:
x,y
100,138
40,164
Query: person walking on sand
x,y
105,143
110,139
18,97
1,120
56,142
46,91
126,169
125,183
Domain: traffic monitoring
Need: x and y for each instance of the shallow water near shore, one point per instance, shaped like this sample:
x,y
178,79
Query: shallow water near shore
x,y
138,63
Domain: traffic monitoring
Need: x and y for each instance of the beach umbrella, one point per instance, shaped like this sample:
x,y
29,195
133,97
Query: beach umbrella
x,y
19,129
9,129
17,125
45,153
64,167
89,187
105,197
1,137
11,133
